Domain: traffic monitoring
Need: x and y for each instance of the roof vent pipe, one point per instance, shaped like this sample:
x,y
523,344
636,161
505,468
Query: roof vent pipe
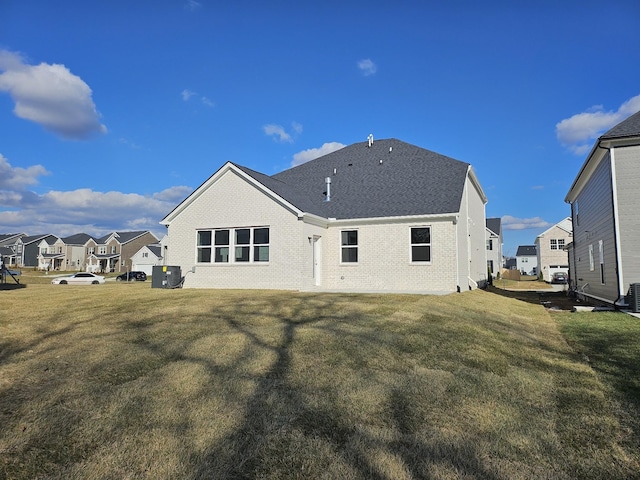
x,y
370,139
327,193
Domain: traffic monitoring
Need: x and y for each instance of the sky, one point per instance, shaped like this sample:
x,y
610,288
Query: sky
x,y
112,112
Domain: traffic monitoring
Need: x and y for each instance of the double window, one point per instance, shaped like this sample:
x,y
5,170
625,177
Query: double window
x,y
556,243
233,245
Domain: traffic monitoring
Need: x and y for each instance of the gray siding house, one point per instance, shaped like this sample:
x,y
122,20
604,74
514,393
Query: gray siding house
x,y
604,199
383,216
494,246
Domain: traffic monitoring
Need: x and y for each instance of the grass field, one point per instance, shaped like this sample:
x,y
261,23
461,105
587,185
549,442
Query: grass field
x,y
125,381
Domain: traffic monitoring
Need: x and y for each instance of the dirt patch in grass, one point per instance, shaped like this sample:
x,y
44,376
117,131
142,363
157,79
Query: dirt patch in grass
x,y
549,299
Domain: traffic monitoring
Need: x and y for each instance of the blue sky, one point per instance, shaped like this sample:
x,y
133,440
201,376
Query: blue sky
x,y
112,112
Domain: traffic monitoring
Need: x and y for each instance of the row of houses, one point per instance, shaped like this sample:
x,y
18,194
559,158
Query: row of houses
x,y
115,252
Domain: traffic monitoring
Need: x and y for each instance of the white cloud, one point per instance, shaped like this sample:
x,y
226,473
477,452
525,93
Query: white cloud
x,y
514,223
187,94
173,194
192,5
51,96
367,67
279,133
579,131
65,213
84,210
537,187
313,153
17,178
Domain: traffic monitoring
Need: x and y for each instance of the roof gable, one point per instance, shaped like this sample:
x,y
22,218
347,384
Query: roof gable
x,y
565,224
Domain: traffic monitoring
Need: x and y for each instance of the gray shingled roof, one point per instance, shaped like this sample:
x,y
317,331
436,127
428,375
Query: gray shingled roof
x,y
390,178
122,237
77,239
156,250
494,224
37,238
627,128
526,251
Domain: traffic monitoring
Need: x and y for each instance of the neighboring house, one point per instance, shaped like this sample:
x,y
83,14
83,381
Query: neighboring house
x,y
511,263
551,247
382,216
604,199
29,247
76,251
11,242
113,252
146,258
527,260
494,246
50,253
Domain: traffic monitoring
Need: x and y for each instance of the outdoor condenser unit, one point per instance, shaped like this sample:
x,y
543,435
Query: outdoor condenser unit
x,y
166,276
634,297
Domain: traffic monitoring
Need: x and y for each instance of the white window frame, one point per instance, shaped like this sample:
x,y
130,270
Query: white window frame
x,y
601,255
553,243
428,244
348,246
232,245
591,262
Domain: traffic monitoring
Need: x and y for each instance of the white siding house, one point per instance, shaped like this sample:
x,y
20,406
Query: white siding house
x,y
382,216
527,260
604,198
146,258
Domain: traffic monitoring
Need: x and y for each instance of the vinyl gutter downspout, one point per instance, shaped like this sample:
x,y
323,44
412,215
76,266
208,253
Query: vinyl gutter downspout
x,y
616,227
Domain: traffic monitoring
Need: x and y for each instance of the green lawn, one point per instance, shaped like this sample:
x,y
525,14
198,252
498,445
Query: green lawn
x,y
125,381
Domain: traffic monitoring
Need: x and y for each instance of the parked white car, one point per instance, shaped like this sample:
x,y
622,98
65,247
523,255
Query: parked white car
x,y
80,278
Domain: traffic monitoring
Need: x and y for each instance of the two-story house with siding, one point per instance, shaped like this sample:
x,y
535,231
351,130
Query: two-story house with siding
x,y
494,246
113,252
527,260
30,247
604,199
375,216
551,248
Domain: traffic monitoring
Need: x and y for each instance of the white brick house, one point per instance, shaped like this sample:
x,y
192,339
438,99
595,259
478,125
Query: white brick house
x,y
382,216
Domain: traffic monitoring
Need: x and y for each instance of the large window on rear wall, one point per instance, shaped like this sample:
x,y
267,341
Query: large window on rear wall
x,y
233,245
420,244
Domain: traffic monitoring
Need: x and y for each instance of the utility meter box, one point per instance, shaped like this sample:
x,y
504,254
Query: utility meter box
x,y
166,276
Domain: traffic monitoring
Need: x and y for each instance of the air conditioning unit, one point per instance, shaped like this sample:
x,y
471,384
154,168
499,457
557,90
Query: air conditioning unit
x,y
634,297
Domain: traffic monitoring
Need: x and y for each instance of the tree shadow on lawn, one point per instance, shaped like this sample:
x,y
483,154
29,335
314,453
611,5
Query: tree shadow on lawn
x,y
322,440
